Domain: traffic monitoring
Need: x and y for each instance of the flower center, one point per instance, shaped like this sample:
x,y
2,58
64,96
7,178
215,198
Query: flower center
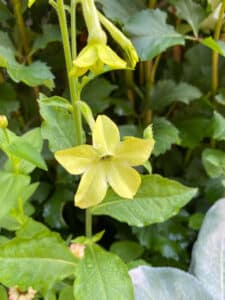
x,y
106,157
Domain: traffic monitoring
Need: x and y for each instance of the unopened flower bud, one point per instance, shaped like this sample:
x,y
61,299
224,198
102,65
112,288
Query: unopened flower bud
x,y
77,250
16,294
3,122
148,133
87,113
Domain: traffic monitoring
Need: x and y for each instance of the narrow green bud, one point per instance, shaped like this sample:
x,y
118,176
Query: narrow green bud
x,y
87,113
120,39
3,122
148,133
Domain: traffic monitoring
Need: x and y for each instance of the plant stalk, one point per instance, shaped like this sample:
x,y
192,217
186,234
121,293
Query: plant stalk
x,y
215,55
73,83
88,223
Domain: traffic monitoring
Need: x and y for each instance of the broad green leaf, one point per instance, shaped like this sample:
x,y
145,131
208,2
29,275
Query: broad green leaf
x,y
192,130
214,162
11,187
6,41
166,284
218,126
66,294
3,293
37,73
102,275
53,209
195,221
38,259
127,250
58,125
8,101
208,255
191,12
50,34
5,13
150,34
26,151
121,10
97,94
157,200
209,23
218,46
33,138
166,92
11,221
165,135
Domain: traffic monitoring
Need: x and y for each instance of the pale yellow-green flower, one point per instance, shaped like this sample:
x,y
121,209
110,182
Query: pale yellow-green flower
x,y
108,162
94,57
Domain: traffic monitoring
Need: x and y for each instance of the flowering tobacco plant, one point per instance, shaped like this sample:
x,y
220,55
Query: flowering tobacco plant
x,y
112,158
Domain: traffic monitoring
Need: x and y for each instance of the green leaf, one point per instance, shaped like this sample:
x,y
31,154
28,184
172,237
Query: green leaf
x,y
5,13
34,139
157,200
192,130
217,46
208,260
127,250
26,151
58,125
37,73
11,187
150,34
3,293
37,259
165,135
121,10
166,284
218,126
66,294
191,12
6,41
8,101
195,221
51,33
102,275
96,94
214,162
166,92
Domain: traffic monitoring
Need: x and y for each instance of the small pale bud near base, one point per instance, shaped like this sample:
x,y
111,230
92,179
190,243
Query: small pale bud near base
x,y
77,250
3,122
16,294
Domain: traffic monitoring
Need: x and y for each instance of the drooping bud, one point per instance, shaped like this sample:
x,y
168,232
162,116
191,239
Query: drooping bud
x,y
120,39
3,122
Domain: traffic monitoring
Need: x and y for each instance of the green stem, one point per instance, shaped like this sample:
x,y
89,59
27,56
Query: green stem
x,y
215,55
73,83
11,157
22,28
73,29
88,223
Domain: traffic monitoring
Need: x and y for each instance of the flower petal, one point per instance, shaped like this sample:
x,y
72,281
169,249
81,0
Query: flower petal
x,y
92,187
124,180
78,159
106,136
134,151
87,57
110,58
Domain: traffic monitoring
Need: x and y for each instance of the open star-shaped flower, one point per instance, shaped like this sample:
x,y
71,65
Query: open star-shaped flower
x,y
107,163
94,57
